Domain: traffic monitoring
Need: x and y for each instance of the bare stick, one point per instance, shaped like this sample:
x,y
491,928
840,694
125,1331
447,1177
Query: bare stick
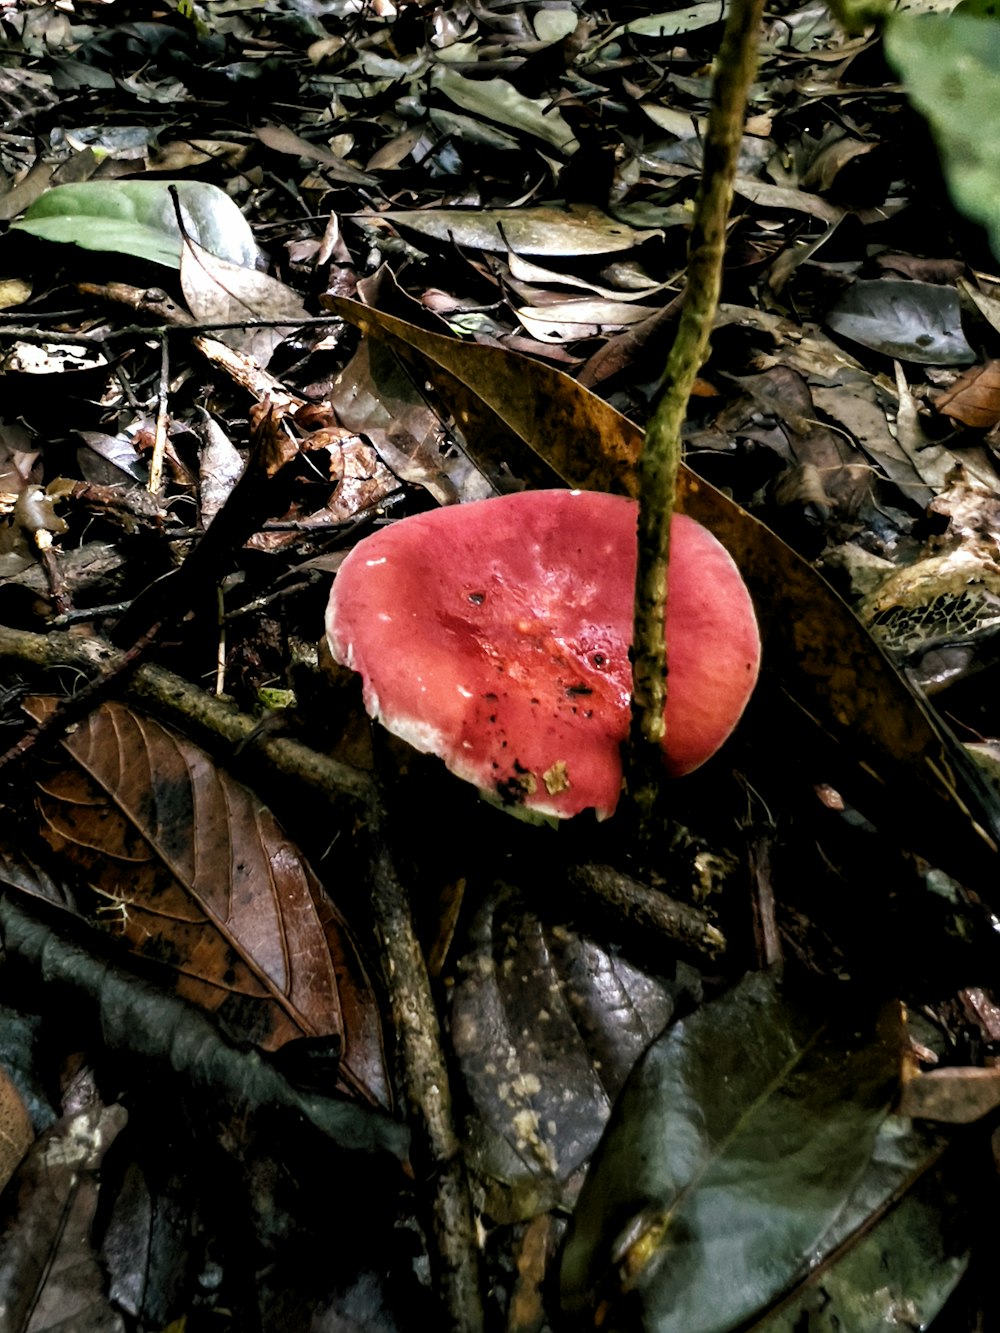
x,y
661,455
437,1150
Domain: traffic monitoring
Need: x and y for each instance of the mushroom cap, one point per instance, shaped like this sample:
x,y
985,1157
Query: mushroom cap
x,y
496,635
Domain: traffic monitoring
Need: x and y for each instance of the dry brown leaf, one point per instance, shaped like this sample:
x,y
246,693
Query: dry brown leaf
x,y
953,1096
824,660
50,1273
16,1133
282,140
376,396
218,292
974,398
206,881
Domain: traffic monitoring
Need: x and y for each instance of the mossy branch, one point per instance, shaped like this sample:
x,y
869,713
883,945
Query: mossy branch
x,y
661,455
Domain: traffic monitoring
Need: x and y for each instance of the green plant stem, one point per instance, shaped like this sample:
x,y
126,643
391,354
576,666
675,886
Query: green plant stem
x,y
661,455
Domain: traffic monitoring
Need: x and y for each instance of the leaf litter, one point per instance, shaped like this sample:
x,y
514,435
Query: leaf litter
x,y
521,181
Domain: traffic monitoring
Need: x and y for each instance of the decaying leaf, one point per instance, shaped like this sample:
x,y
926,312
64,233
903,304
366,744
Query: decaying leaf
x,y
283,140
564,321
974,398
906,1255
956,1096
941,598
16,1132
915,321
203,879
497,100
377,396
546,1026
577,230
219,292
50,1273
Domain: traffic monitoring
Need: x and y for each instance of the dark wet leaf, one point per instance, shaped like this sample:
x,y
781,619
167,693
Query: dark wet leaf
x,y
145,1245
734,1147
915,321
907,1259
144,1023
50,1275
546,1026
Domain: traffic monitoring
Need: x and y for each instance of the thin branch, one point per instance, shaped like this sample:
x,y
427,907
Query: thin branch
x,y
211,722
165,1033
436,1145
661,456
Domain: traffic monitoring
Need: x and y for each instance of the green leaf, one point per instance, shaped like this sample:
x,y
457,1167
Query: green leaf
x,y
702,14
499,102
950,65
911,1260
737,1141
856,15
139,218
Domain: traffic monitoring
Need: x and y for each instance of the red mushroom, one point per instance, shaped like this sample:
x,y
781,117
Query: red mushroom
x,y
495,635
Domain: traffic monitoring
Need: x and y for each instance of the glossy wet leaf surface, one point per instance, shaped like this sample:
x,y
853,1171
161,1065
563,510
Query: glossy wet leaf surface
x,y
139,218
905,1265
736,1143
546,1025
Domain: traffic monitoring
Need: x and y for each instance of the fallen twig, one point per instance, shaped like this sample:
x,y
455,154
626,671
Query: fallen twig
x,y
425,1078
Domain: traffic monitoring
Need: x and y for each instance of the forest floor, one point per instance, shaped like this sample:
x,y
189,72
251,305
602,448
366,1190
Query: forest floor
x,y
300,1034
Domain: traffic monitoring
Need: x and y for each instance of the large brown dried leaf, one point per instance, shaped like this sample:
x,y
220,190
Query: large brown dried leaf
x,y
814,647
207,882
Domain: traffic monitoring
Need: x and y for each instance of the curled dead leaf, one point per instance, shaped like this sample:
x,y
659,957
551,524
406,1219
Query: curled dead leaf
x,y
974,398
